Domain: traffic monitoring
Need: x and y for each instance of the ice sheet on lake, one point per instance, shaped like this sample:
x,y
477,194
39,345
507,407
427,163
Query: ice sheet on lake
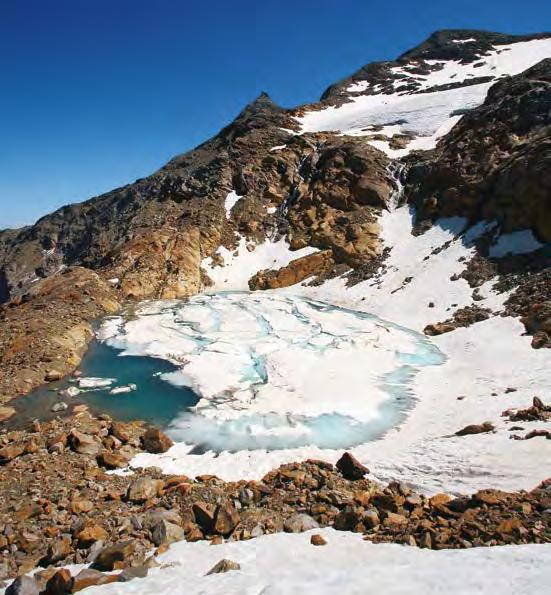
x,y
277,371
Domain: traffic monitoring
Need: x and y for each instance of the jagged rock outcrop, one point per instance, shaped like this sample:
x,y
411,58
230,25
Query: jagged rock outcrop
x,y
151,236
496,162
296,271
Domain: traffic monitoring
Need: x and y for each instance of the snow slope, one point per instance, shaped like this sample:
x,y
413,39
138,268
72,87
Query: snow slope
x,y
284,563
428,113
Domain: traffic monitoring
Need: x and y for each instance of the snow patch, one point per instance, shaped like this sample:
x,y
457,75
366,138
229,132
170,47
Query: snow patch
x,y
426,115
231,199
518,242
241,264
286,563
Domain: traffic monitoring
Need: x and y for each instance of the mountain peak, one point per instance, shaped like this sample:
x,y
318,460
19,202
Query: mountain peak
x,y
452,44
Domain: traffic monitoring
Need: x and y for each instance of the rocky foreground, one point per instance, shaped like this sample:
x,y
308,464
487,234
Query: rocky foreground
x,y
62,506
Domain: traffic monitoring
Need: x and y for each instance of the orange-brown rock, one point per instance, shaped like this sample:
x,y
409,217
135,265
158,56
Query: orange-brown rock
x,y
296,271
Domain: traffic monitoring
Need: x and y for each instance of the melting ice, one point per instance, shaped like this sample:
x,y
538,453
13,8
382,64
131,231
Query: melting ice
x,y
276,371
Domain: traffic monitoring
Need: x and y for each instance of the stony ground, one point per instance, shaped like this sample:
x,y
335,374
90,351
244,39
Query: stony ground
x,y
61,505
44,335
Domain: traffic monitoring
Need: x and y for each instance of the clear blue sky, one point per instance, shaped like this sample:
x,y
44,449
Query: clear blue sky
x,y
96,93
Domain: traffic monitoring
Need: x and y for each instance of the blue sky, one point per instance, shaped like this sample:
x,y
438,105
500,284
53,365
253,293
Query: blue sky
x,y
96,93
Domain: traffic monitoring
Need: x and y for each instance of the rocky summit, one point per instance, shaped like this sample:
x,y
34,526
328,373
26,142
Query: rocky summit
x,y
417,191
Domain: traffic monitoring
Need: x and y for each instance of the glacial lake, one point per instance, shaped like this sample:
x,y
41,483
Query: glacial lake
x,y
247,371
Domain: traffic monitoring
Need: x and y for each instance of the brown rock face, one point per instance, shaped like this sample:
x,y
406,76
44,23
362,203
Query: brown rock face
x,y
296,271
495,163
50,328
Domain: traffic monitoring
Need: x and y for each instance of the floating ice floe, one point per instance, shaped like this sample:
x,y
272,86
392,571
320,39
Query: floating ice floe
x,y
123,389
92,382
71,391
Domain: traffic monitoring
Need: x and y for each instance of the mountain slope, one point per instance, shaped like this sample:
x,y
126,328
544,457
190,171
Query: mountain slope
x,y
413,198
303,194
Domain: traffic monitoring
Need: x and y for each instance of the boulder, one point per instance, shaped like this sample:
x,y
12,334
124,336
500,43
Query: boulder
x,y
61,583
224,565
300,522
111,555
121,431
394,519
129,574
348,518
112,460
438,328
155,441
165,532
53,375
23,585
350,467
6,413
296,271
225,519
204,515
317,539
10,452
79,506
88,577
476,429
83,443
91,534
58,550
143,489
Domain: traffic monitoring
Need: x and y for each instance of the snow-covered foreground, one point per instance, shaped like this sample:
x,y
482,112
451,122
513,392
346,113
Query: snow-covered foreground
x,y
286,563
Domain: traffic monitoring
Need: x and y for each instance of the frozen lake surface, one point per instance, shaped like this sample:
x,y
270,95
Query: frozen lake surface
x,y
268,371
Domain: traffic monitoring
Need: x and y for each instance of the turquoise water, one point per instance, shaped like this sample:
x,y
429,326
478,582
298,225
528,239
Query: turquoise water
x,y
155,401
170,406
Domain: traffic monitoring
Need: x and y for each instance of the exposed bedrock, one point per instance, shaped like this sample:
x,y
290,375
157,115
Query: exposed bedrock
x,y
296,271
151,235
496,162
44,336
443,45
